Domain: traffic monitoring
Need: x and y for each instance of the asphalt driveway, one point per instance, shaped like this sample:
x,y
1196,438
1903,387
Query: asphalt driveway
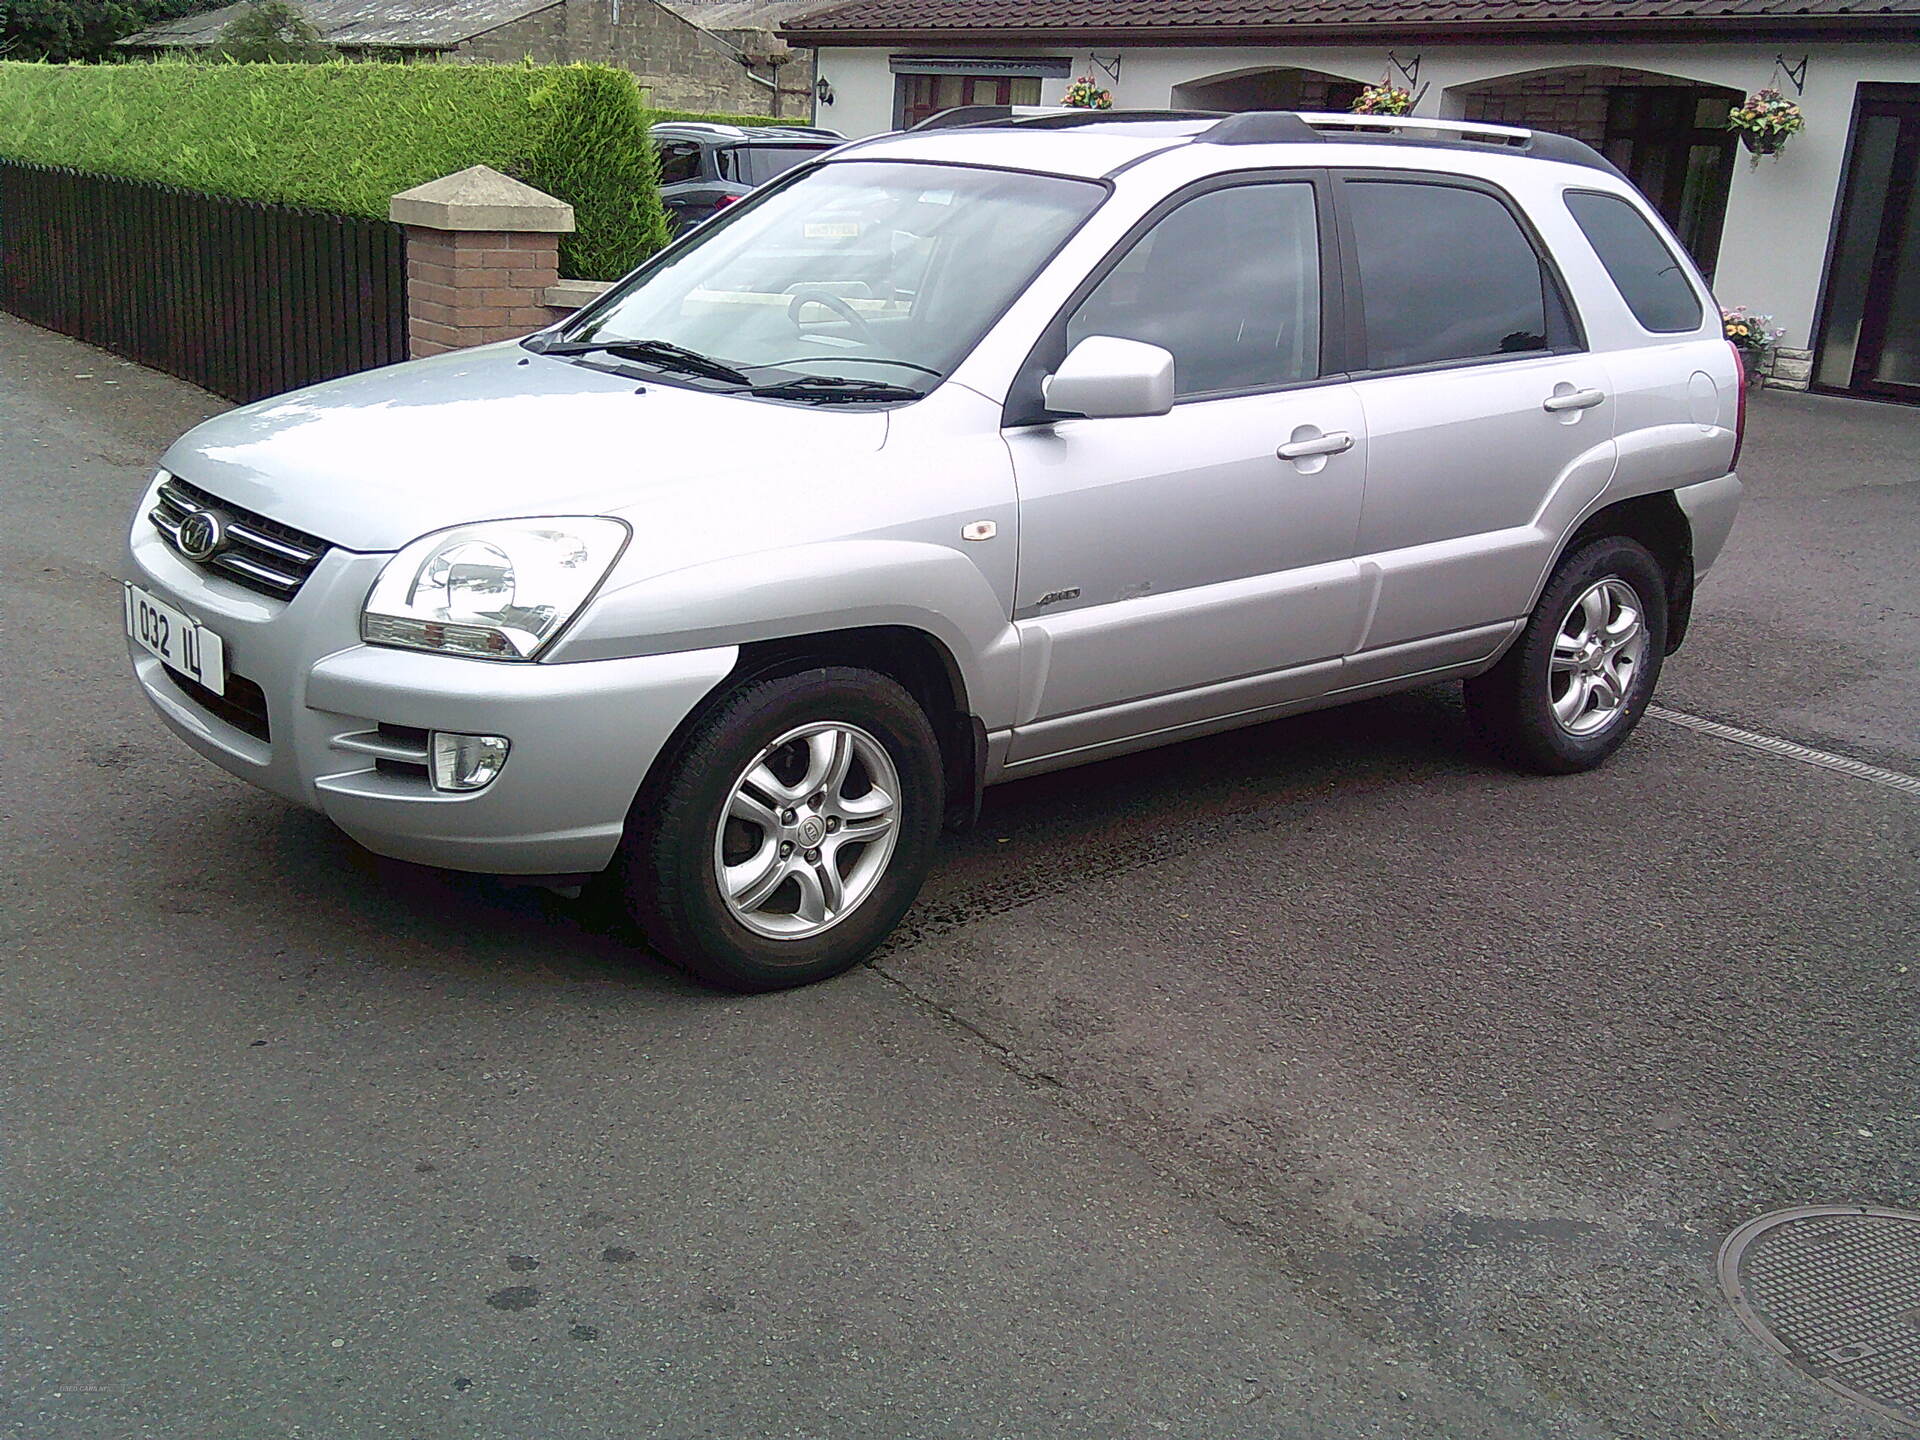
x,y
1318,1080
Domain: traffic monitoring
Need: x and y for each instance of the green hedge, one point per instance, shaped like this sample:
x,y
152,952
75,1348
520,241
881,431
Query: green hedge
x,y
346,137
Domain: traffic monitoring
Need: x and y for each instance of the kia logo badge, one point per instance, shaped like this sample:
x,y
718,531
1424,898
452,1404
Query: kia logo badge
x,y
202,534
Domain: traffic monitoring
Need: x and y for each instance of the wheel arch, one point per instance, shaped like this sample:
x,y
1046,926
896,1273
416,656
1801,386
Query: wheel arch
x,y
1657,522
919,661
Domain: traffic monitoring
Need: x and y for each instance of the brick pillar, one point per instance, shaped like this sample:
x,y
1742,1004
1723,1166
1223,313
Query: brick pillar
x,y
482,249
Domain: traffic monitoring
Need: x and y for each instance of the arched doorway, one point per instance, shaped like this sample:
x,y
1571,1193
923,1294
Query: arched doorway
x,y
1668,134
1283,88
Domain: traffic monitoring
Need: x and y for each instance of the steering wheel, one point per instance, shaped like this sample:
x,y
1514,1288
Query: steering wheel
x,y
836,305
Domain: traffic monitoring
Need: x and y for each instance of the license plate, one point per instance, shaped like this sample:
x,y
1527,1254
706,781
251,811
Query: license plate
x,y
184,644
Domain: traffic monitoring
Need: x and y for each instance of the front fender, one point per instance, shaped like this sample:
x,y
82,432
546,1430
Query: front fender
x,y
811,589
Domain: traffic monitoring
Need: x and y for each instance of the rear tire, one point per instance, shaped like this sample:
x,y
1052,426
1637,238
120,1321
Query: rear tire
x,y
1574,685
791,832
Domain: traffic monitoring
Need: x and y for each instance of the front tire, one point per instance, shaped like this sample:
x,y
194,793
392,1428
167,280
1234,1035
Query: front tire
x,y
791,832
1575,684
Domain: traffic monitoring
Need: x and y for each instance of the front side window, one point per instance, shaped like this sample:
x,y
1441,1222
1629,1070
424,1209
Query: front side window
x,y
869,270
1648,276
1229,283
1446,273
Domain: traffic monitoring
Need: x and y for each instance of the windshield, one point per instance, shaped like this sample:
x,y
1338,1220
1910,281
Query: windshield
x,y
868,271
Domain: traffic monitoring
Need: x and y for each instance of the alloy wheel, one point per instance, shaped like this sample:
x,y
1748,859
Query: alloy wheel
x,y
1596,653
808,830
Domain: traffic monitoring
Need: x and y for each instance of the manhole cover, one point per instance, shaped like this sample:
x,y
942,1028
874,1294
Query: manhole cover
x,y
1835,1289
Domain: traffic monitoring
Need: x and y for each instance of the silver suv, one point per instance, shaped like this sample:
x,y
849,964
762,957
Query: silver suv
x,y
955,457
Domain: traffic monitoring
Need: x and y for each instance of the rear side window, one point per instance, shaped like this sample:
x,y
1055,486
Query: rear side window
x,y
1645,272
679,161
1445,274
757,164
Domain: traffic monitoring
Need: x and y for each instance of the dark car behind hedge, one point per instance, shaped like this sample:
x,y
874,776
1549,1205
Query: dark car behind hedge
x,y
706,167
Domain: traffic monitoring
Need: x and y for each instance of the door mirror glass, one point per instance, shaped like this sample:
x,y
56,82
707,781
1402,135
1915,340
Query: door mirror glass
x,y
1105,378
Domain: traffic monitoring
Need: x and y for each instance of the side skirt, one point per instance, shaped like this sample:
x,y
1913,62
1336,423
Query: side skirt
x,y
999,769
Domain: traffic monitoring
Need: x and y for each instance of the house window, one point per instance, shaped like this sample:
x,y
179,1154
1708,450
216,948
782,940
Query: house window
x,y
1673,142
921,96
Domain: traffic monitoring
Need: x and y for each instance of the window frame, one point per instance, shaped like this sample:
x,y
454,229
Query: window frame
x,y
1566,333
1026,406
1679,258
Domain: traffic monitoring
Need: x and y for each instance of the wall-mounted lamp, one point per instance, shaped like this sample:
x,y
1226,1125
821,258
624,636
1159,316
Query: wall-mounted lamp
x,y
823,91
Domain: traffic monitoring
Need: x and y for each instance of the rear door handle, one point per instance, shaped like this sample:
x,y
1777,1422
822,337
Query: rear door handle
x,y
1334,442
1573,400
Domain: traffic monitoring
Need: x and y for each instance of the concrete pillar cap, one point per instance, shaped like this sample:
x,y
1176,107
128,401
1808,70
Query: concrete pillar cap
x,y
480,198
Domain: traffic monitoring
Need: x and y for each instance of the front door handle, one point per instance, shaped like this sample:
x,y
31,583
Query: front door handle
x,y
1572,400
1334,442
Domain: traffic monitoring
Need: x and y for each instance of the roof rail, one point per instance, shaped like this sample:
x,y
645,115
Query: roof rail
x,y
1510,135
1260,127
1050,117
1268,127
981,115
705,126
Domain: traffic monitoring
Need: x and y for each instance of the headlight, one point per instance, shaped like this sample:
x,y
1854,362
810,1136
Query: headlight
x,y
498,590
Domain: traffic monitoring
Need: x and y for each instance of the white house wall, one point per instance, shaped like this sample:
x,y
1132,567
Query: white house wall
x,y
1779,212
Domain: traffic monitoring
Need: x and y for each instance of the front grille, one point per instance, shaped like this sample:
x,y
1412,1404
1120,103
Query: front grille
x,y
261,554
243,706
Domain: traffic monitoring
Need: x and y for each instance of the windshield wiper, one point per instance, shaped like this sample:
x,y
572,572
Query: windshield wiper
x,y
663,353
834,390
863,359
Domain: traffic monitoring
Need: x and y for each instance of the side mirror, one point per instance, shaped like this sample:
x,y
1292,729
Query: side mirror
x,y
1105,378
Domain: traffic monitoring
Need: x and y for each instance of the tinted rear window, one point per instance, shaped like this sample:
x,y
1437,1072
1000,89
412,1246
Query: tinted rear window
x,y
1646,273
679,161
1445,274
757,164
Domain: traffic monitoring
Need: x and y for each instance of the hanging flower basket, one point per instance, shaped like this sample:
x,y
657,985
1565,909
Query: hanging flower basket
x,y
1383,99
1765,121
1083,94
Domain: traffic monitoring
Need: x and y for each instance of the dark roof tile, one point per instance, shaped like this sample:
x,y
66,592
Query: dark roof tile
x,y
1065,17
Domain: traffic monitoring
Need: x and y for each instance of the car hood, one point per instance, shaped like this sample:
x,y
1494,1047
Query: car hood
x,y
375,460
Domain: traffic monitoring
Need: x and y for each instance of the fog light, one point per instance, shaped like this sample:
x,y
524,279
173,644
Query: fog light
x,y
466,762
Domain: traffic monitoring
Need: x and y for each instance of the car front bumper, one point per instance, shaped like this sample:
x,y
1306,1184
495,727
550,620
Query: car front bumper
x,y
583,735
